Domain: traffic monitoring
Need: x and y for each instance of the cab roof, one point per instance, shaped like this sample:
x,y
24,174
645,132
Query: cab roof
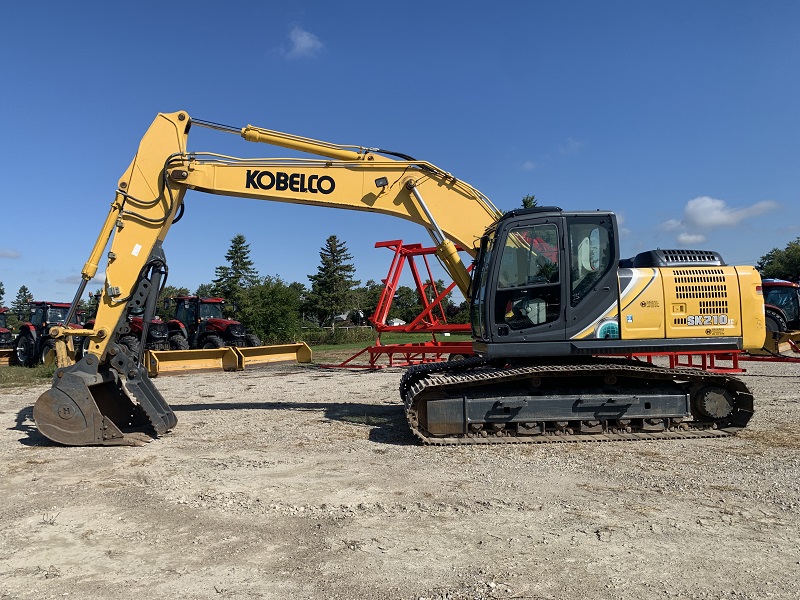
x,y
208,300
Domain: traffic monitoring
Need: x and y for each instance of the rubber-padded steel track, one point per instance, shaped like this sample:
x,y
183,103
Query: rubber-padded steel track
x,y
428,382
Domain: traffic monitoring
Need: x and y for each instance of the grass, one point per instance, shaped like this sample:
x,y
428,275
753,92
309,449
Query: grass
x,y
16,376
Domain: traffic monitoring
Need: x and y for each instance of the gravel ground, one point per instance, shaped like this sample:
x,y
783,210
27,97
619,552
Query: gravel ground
x,y
303,482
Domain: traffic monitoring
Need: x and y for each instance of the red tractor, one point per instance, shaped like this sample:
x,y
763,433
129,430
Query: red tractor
x,y
781,305
157,333
34,342
200,323
6,337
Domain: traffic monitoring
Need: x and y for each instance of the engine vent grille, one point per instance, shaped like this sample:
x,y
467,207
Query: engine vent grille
x,y
690,256
700,284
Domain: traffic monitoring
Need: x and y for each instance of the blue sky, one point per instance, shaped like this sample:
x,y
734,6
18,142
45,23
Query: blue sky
x,y
680,116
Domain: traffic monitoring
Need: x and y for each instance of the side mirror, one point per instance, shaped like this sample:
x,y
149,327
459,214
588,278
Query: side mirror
x,y
166,303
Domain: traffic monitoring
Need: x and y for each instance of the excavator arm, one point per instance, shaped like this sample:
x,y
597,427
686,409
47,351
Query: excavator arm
x,y
107,398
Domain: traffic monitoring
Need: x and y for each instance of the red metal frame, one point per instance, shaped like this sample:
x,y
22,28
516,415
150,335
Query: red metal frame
x,y
706,361
776,357
432,319
409,354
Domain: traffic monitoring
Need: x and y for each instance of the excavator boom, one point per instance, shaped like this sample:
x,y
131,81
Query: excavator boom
x,y
100,399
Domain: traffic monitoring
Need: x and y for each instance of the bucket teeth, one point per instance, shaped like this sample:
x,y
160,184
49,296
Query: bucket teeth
x,y
109,404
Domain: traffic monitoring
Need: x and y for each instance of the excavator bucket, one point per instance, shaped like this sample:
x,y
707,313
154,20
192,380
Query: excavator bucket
x,y
279,353
6,356
162,362
113,404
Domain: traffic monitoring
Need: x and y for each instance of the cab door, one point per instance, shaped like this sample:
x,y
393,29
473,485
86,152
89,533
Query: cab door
x,y
592,295
529,282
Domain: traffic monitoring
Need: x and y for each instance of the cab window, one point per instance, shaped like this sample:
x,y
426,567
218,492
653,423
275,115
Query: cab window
x,y
591,252
185,312
528,287
37,316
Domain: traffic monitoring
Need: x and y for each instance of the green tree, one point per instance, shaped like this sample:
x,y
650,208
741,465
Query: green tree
x,y
233,279
271,310
406,304
2,293
781,264
205,290
91,303
20,303
458,314
529,201
365,299
332,287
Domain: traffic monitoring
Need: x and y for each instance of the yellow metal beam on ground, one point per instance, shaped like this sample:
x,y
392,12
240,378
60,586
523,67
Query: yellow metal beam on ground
x,y
164,362
161,362
278,353
778,343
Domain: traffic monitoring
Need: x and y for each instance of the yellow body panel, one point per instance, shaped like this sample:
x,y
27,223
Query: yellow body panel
x,y
754,328
688,302
642,306
702,302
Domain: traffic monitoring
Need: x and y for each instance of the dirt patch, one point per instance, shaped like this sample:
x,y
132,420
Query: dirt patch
x,y
301,482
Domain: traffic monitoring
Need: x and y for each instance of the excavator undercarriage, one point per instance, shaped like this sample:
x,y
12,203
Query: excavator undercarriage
x,y
479,401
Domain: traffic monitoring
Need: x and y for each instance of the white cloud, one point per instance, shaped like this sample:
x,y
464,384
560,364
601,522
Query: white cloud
x,y
304,44
6,253
703,214
690,239
528,165
570,146
98,279
706,212
671,225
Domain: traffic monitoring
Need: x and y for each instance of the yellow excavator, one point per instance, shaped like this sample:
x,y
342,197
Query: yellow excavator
x,y
554,309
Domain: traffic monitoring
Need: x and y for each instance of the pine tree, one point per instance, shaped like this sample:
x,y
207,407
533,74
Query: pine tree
x,y
529,201
233,279
332,287
20,303
205,290
2,293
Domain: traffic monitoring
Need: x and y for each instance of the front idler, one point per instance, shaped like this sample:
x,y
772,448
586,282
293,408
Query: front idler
x,y
113,403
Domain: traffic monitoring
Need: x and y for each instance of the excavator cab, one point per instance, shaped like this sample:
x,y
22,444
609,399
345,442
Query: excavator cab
x,y
543,275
